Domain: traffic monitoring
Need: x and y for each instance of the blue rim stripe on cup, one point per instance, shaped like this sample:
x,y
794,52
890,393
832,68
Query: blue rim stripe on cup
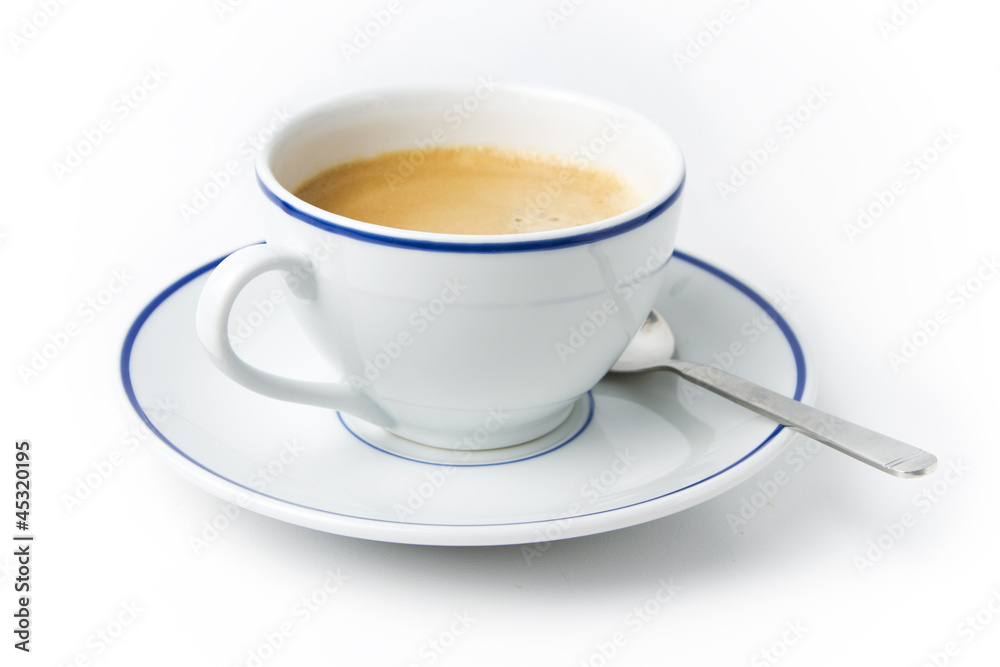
x,y
476,246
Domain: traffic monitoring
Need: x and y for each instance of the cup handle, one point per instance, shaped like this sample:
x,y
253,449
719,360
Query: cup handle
x,y
212,321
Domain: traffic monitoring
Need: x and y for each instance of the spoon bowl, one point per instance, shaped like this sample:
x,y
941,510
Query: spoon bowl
x,y
653,344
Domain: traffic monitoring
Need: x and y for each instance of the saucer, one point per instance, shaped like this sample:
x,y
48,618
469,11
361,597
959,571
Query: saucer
x,y
636,448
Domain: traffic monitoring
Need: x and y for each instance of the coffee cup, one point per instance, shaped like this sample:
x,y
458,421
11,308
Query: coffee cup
x,y
433,336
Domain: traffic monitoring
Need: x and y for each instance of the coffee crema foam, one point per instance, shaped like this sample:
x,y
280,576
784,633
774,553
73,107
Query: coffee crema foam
x,y
470,190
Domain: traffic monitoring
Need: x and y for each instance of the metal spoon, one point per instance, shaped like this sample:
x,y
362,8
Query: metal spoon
x,y
652,348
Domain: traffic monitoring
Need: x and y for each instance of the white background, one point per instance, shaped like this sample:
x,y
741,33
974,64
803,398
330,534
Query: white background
x,y
796,562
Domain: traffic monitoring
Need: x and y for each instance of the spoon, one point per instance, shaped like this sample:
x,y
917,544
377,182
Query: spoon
x,y
652,348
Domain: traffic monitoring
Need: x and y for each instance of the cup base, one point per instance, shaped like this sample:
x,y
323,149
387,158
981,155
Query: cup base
x,y
375,436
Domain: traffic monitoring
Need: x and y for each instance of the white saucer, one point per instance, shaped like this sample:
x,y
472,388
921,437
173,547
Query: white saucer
x,y
642,447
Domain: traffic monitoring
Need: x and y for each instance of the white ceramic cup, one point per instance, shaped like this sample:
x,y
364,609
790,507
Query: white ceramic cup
x,y
436,336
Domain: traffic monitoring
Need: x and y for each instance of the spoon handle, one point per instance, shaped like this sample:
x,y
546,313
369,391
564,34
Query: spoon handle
x,y
877,450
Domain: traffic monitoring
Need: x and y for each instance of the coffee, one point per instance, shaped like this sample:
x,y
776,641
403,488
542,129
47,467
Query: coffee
x,y
470,190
